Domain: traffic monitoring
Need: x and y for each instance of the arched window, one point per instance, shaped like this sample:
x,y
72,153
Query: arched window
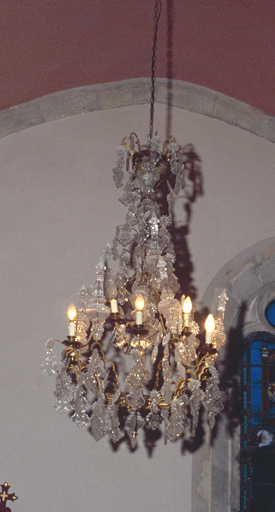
x,y
232,472
257,461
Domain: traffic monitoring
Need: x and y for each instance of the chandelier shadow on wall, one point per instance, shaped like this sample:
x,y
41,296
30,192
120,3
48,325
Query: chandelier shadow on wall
x,y
133,358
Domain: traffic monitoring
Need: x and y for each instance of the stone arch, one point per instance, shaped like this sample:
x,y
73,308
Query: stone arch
x,y
187,96
250,280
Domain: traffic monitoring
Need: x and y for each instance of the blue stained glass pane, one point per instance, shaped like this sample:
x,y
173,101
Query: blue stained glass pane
x,y
270,313
258,427
255,352
256,388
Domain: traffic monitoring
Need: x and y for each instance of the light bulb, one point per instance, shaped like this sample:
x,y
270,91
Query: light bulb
x,y
72,312
187,305
139,303
209,327
186,309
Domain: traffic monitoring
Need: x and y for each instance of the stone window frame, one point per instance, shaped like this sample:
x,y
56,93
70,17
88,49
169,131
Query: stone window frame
x,y
250,280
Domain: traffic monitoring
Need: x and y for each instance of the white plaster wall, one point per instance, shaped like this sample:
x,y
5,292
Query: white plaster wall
x,y
59,208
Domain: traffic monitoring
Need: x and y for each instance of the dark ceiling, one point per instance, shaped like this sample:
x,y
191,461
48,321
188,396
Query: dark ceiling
x,y
225,45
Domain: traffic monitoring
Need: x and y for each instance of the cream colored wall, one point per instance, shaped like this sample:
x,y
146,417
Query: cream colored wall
x,y
59,208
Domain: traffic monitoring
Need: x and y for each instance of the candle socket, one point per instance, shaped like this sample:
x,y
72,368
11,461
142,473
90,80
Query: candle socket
x,y
139,329
115,317
208,349
186,331
70,341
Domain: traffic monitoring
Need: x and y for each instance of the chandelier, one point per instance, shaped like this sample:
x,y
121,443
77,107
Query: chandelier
x,y
133,358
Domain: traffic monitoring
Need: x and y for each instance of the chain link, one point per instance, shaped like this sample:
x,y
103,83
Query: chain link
x,y
157,11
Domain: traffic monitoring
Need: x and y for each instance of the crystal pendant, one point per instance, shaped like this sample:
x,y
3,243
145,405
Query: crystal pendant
x,y
170,308
219,335
49,364
63,390
96,309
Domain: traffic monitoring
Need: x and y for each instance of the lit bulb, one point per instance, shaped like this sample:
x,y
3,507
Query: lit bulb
x,y
209,327
186,308
187,305
72,316
72,312
139,304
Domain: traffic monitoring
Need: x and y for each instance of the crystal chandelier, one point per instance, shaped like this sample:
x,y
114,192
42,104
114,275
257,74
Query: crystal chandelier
x,y
133,358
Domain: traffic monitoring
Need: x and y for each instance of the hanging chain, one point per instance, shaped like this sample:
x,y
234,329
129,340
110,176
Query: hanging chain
x,y
169,65
157,11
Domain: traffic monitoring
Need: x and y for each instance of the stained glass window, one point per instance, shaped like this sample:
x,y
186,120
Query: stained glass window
x,y
258,425
270,313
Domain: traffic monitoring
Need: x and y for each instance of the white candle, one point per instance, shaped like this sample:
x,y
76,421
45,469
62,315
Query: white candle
x,y
71,329
139,317
114,306
72,316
